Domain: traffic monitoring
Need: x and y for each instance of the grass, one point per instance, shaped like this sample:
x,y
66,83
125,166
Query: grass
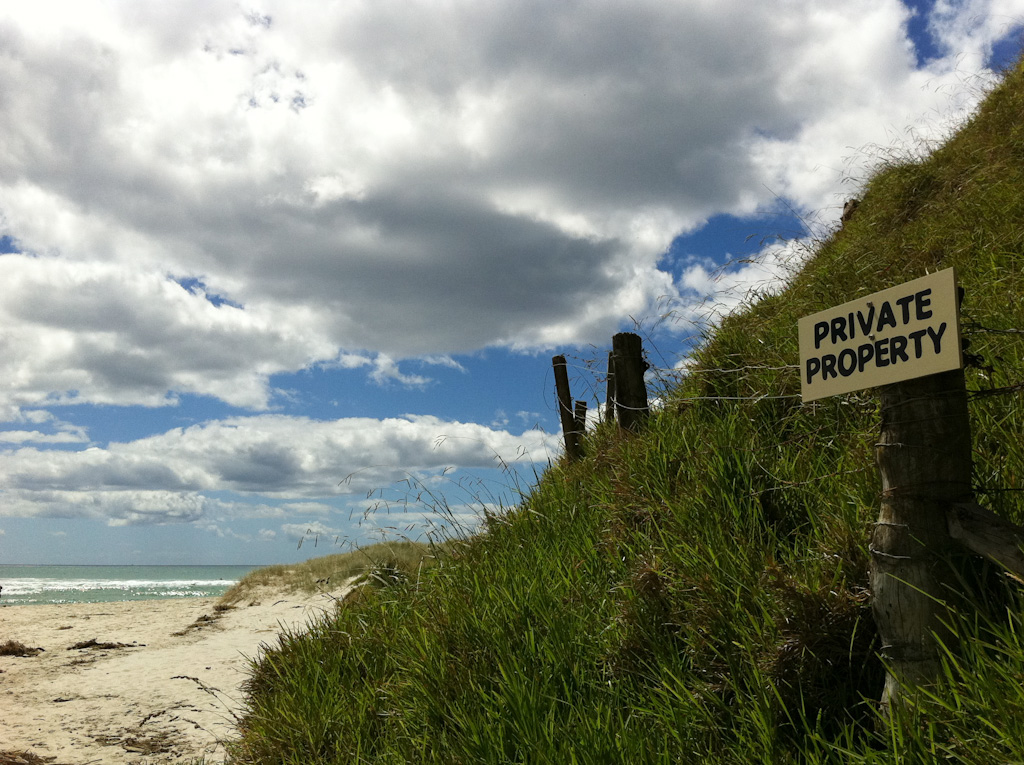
x,y
697,592
327,572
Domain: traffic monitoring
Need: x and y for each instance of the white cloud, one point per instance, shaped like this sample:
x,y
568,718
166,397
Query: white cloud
x,y
169,478
967,29
220,531
62,432
111,333
35,436
711,291
313,532
442,361
385,369
307,508
393,524
372,182
117,507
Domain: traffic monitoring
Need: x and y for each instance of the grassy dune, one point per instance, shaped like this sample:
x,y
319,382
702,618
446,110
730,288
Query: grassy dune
x,y
372,565
698,592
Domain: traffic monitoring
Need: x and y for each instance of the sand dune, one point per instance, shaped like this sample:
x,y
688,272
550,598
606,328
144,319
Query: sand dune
x,y
154,681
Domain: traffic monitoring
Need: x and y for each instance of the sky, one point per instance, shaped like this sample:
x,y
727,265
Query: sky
x,y
281,277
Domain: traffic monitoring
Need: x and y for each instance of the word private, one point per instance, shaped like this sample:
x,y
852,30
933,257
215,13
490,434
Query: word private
x,y
897,334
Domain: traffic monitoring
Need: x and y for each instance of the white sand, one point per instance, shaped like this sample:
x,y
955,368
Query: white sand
x,y
167,700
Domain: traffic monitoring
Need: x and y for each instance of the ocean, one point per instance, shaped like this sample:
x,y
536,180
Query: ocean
x,y
36,585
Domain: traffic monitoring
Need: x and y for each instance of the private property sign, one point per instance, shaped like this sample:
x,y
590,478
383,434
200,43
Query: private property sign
x,y
897,334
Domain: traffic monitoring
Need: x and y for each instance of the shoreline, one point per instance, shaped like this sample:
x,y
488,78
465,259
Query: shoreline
x,y
136,682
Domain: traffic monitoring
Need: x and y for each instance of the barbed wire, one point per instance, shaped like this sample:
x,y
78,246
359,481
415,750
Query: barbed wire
x,y
980,330
748,368
760,397
590,374
976,393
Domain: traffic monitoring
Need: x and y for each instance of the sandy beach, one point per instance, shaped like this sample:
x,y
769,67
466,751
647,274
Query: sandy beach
x,y
153,681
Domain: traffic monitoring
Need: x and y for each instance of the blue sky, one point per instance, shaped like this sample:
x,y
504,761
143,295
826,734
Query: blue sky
x,y
282,277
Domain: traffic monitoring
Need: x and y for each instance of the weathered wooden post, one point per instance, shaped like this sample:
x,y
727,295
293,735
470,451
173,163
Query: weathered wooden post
x,y
609,404
906,342
924,457
631,406
565,409
580,419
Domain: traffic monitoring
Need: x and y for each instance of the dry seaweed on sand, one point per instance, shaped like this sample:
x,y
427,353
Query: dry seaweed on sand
x,y
93,644
24,757
16,648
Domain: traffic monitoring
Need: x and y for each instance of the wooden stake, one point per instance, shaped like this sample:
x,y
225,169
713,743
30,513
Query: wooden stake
x,y
580,420
565,410
609,404
924,456
630,390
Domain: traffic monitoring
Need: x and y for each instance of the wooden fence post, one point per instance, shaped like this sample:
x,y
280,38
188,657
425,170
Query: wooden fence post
x,y
609,404
630,390
579,418
565,409
924,457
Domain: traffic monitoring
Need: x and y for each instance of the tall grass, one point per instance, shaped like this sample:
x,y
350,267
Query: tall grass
x,y
697,592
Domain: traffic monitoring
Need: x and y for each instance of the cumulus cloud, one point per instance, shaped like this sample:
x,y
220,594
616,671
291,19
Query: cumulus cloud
x,y
713,290
307,508
968,29
116,507
110,333
60,432
312,532
200,196
35,436
460,519
173,477
363,183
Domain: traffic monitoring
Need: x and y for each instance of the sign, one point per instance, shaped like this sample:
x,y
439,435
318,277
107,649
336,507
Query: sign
x,y
897,334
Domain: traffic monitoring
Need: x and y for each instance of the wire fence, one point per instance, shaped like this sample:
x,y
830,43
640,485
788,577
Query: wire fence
x,y
998,462
591,379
